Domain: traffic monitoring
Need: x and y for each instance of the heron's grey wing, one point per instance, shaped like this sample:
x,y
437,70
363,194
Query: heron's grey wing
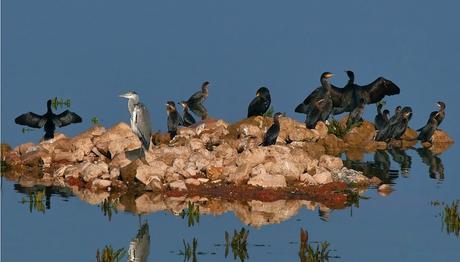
x,y
66,118
143,125
30,119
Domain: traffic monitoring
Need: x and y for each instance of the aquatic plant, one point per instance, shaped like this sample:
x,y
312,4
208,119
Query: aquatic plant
x,y
26,130
192,212
238,244
270,112
189,251
55,102
334,127
95,120
451,218
313,254
35,201
110,255
108,207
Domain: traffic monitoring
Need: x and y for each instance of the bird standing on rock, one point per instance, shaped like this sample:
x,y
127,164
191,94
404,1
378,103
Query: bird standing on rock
x,y
273,131
140,119
441,113
195,102
49,120
427,131
381,119
188,118
356,115
174,119
260,104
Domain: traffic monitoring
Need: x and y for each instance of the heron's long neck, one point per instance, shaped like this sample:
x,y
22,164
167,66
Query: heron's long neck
x,y
131,103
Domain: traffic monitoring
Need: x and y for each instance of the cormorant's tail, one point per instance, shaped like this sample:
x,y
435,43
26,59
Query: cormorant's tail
x,y
302,108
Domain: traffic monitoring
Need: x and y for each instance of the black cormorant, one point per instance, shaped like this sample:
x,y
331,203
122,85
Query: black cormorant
x,y
188,118
381,119
195,102
355,116
260,104
441,112
398,129
49,120
174,119
426,132
273,131
140,119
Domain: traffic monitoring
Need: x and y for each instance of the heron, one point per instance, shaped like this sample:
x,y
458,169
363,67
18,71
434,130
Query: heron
x,y
49,120
140,119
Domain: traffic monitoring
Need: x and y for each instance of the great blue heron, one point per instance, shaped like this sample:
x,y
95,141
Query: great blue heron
x,y
140,118
260,104
49,120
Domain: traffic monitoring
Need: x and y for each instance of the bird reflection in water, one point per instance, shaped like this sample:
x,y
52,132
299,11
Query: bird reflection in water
x,y
139,247
403,159
434,163
38,193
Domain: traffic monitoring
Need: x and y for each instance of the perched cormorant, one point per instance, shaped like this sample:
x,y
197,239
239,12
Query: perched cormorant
x,y
140,119
441,112
319,93
273,131
260,104
174,119
49,120
315,113
188,118
395,118
355,116
195,102
398,129
427,131
381,119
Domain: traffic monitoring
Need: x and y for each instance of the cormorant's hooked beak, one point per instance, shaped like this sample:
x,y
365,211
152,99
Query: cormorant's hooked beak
x,y
257,94
438,104
124,95
329,75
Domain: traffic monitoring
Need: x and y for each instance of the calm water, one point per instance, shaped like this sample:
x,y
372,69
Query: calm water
x,y
91,51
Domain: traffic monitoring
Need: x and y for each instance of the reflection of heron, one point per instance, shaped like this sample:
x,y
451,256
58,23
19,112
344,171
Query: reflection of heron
x,y
49,120
403,159
49,191
436,168
140,118
139,247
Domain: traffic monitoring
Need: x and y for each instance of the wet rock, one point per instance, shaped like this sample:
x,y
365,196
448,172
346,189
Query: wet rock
x,y
350,177
92,171
355,154
308,179
101,184
409,134
323,177
333,145
178,185
440,136
268,181
330,162
192,181
360,135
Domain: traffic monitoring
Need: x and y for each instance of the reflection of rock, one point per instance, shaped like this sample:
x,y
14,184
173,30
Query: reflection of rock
x,y
385,190
350,176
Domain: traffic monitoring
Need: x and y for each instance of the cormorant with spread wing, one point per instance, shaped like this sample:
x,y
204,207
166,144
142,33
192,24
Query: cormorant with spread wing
x,y
49,120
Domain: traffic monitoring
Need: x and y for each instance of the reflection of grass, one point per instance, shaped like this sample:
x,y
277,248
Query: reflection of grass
x,y
192,213
335,128
189,250
238,244
55,102
26,130
307,253
452,218
110,255
354,197
35,201
108,207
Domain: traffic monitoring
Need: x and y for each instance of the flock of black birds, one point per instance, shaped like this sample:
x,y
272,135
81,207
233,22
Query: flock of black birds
x,y
319,105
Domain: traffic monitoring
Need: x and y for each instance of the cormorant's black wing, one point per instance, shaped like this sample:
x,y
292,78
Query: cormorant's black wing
x,y
199,110
195,98
66,118
378,89
30,119
258,106
271,135
188,119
